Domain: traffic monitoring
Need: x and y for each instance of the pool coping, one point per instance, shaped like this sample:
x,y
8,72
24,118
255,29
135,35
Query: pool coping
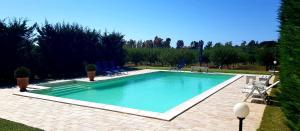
x,y
167,116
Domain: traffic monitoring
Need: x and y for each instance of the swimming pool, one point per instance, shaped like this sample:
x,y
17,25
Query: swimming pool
x,y
157,92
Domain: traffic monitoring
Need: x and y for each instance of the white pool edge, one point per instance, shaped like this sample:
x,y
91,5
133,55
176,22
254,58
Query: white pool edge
x,y
169,115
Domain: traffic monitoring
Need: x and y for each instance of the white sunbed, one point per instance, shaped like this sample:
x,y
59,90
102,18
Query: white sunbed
x,y
261,90
265,79
251,79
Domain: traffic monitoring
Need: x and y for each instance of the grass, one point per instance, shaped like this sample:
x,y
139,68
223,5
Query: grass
x,y
6,125
273,118
211,70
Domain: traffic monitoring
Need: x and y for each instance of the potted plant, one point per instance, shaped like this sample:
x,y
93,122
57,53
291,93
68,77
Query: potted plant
x,y
91,71
22,76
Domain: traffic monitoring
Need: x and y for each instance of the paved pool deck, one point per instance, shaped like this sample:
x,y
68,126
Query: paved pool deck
x,y
214,113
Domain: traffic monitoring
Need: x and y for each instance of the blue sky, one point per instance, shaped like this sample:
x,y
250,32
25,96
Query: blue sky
x,y
188,20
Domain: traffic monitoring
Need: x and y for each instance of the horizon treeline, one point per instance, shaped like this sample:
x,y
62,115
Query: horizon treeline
x,y
62,50
159,52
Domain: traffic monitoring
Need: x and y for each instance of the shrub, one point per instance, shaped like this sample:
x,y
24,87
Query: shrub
x,y
290,62
90,67
22,72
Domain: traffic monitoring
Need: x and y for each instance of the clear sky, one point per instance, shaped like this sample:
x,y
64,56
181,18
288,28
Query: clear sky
x,y
188,20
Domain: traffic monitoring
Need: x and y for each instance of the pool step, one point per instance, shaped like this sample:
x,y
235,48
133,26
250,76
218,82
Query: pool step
x,y
68,89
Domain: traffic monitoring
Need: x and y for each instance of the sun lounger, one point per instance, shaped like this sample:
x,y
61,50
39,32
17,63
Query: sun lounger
x,y
179,67
261,90
265,79
250,79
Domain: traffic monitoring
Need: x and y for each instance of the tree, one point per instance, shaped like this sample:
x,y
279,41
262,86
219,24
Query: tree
x,y
223,55
16,43
66,48
135,55
266,53
158,42
179,44
167,43
131,43
201,51
112,45
208,45
139,44
148,44
228,43
251,50
194,45
290,61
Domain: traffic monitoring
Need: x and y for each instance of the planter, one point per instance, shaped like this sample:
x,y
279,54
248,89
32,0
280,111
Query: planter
x,y
91,75
23,83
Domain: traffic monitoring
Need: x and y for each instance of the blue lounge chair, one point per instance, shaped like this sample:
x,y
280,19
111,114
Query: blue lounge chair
x,y
179,66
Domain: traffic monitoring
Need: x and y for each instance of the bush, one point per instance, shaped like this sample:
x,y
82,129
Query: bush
x,y
65,48
290,61
90,67
22,72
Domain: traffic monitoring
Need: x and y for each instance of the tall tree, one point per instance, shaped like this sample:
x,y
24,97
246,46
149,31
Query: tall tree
x,y
201,43
179,44
158,42
208,45
16,44
139,44
252,51
148,44
167,43
290,61
112,44
66,48
194,45
131,43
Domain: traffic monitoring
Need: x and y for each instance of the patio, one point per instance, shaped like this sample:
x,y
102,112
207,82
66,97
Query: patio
x,y
214,113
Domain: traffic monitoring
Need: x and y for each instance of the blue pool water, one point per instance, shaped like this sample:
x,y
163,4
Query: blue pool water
x,y
156,92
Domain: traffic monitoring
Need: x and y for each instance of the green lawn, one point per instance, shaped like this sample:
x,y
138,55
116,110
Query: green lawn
x,y
6,125
210,70
273,118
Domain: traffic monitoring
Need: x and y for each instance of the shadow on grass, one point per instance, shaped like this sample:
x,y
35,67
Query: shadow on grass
x,y
273,118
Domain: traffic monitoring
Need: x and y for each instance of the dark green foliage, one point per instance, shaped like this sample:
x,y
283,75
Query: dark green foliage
x,y
131,44
112,48
290,61
201,43
59,50
21,72
179,44
219,55
90,67
223,55
65,48
16,43
164,56
266,54
167,43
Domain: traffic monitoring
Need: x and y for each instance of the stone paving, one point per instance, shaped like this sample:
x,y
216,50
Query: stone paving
x,y
214,113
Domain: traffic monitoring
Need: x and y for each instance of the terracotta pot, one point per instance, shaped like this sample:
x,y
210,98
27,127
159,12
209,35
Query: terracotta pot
x,y
91,75
23,83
